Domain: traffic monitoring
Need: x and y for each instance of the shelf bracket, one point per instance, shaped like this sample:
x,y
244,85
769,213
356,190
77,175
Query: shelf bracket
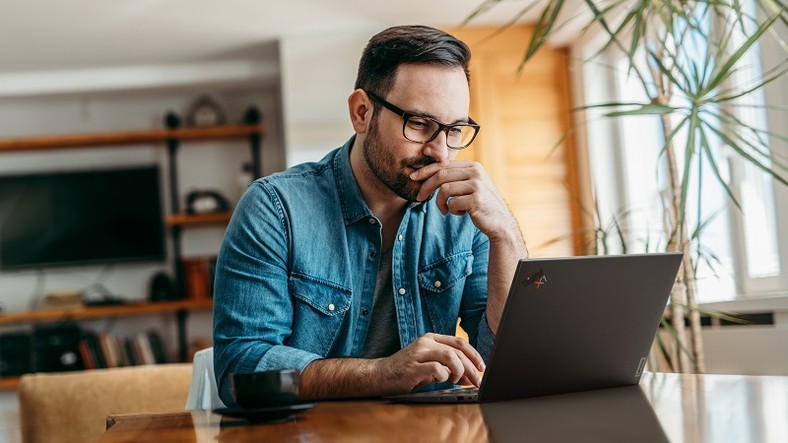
x,y
253,117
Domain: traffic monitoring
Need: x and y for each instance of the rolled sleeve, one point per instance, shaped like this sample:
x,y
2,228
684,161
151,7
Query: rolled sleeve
x,y
485,338
279,357
253,310
473,318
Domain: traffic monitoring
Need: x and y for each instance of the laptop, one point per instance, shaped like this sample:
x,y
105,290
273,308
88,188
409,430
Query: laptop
x,y
572,324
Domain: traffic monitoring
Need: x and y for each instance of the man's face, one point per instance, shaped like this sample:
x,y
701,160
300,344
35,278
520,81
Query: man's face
x,y
435,91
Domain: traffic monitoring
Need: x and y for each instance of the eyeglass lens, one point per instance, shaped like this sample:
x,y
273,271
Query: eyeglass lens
x,y
422,130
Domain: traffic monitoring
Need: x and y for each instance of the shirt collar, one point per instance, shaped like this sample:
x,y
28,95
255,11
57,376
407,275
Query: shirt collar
x,y
354,208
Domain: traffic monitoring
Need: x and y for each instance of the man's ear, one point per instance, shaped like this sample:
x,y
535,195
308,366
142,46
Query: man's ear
x,y
360,107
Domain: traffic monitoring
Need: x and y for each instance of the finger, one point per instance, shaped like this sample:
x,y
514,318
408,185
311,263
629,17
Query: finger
x,y
455,360
427,171
469,364
442,201
469,370
435,372
429,373
462,345
449,358
459,205
464,381
449,191
439,178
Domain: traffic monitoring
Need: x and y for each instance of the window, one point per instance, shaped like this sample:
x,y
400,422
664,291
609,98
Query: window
x,y
742,252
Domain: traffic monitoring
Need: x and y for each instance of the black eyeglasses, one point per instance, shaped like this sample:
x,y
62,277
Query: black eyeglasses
x,y
423,129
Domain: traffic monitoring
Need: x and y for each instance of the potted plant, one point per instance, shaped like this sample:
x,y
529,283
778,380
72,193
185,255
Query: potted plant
x,y
694,99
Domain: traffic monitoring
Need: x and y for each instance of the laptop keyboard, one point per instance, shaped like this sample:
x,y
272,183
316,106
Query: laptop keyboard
x,y
451,395
466,394
469,390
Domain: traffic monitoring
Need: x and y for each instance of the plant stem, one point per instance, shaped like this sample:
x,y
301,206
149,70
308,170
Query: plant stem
x,y
683,293
684,290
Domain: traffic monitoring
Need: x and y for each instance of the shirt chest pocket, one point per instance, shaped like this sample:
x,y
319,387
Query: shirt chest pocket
x,y
442,283
319,309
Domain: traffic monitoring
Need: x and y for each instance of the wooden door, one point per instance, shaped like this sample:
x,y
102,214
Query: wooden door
x,y
523,116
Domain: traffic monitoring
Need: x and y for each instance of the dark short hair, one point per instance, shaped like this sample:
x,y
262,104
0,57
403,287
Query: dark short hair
x,y
407,44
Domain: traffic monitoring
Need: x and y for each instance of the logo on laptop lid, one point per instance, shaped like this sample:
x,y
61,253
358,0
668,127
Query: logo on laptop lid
x,y
537,279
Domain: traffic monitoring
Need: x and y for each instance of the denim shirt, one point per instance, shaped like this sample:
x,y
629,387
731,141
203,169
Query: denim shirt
x,y
296,273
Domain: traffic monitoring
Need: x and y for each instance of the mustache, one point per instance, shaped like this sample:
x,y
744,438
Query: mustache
x,y
419,162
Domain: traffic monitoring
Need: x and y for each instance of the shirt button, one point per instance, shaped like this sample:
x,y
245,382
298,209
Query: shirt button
x,y
364,312
399,238
331,306
371,221
402,291
437,283
373,254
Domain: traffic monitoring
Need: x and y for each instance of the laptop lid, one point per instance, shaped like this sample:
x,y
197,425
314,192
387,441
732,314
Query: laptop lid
x,y
578,323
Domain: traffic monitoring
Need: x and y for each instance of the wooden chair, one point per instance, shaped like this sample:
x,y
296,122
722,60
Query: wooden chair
x,y
73,406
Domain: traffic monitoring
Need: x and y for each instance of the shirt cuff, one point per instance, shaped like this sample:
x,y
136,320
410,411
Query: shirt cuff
x,y
286,357
485,339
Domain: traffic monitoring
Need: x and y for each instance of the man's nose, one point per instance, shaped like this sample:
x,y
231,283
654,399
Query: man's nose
x,y
437,149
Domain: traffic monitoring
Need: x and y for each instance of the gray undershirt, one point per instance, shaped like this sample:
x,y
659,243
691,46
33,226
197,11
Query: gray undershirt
x,y
383,332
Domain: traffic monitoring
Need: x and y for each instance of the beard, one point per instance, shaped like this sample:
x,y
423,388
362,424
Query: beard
x,y
393,174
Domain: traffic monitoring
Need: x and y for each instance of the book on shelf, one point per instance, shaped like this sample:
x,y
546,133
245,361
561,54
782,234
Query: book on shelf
x,y
129,352
157,347
84,353
111,349
123,357
142,349
67,346
149,348
90,350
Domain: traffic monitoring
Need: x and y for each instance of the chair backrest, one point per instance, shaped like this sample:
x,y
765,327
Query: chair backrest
x,y
203,393
73,406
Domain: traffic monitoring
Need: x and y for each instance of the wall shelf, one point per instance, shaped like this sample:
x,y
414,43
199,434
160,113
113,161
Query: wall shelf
x,y
96,312
71,141
8,383
93,312
198,219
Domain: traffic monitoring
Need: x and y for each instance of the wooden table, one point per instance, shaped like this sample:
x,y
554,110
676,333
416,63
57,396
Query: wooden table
x,y
664,407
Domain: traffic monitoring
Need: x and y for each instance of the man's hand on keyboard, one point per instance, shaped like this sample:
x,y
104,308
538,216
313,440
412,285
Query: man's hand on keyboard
x,y
432,358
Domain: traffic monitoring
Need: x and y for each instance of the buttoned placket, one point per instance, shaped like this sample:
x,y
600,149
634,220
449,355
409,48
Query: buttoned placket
x,y
371,263
404,291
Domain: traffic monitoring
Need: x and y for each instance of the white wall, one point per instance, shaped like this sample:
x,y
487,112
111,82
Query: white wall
x,y
748,349
318,74
752,350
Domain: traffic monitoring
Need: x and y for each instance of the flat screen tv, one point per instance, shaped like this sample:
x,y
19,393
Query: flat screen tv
x,y
82,217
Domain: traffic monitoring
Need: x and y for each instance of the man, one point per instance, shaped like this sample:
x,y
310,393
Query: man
x,y
354,270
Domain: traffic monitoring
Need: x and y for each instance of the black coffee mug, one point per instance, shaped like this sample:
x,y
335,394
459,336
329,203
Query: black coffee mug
x,y
254,390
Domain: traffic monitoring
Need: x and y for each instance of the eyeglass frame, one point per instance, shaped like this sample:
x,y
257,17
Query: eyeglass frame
x,y
406,115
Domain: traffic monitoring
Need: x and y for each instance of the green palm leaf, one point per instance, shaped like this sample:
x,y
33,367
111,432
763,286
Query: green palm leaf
x,y
726,69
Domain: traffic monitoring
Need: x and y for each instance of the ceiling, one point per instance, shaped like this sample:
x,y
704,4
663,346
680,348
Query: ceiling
x,y
45,35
